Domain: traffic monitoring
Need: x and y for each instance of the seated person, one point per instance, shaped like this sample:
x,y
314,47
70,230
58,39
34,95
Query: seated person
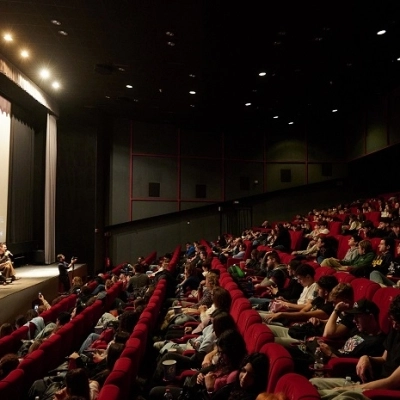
x,y
381,372
360,266
8,363
350,255
321,307
381,263
6,266
365,338
139,280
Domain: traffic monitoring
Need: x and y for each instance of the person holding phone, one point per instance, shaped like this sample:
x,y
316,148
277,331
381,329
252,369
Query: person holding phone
x,y
63,268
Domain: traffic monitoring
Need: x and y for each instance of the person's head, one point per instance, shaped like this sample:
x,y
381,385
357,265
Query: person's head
x,y
273,260
60,257
77,281
190,270
354,240
365,314
253,373
113,353
386,245
221,299
30,314
394,312
272,396
367,225
292,267
364,247
8,363
63,318
35,345
77,383
342,292
222,321
305,275
211,281
108,284
20,320
138,268
5,329
128,320
232,348
325,285
396,226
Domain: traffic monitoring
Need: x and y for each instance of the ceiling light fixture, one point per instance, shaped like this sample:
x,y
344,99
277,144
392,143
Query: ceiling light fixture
x,y
276,117
291,123
7,37
172,44
247,104
107,97
262,74
192,75
24,53
129,86
380,33
55,22
192,105
398,59
63,33
334,110
55,85
192,92
169,34
45,73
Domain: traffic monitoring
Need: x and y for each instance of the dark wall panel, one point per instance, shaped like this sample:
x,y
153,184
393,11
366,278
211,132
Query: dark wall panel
x,y
154,169
273,176
201,144
394,120
315,172
376,135
244,145
354,128
206,172
147,209
154,139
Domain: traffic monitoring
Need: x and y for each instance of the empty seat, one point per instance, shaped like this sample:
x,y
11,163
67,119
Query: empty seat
x,y
296,387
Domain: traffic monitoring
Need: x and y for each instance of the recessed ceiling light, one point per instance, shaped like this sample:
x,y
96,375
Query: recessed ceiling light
x,y
169,33
192,92
7,37
45,73
276,117
129,86
247,104
291,123
136,100
398,59
192,105
24,53
55,85
55,22
107,97
121,69
172,44
63,33
262,74
192,75
334,110
380,33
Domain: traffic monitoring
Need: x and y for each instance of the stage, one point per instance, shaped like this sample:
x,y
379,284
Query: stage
x,y
17,297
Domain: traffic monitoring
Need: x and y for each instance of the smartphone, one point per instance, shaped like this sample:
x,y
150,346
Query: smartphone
x,y
36,307
40,293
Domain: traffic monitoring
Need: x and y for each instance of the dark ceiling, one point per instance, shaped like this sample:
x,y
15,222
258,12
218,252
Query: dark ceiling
x,y
317,55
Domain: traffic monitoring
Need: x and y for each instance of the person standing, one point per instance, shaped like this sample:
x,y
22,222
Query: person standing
x,y
63,268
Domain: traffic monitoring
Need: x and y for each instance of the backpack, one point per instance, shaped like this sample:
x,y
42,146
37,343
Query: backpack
x,y
236,271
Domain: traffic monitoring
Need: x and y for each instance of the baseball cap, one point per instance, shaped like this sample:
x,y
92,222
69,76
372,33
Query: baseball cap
x,y
364,306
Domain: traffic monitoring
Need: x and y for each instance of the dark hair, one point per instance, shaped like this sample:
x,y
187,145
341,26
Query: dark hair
x,y
232,345
8,363
259,362
5,329
20,320
394,309
305,269
274,255
121,337
356,238
128,320
222,322
327,282
31,314
294,264
77,383
389,242
113,354
64,317
222,299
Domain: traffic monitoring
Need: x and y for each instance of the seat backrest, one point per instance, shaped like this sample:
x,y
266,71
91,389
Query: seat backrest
x,y
364,287
280,362
296,387
246,319
382,298
344,277
375,243
343,245
296,239
110,392
334,227
12,386
256,336
323,271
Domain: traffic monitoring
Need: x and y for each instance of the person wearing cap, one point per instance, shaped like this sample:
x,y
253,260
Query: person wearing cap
x,y
381,263
388,365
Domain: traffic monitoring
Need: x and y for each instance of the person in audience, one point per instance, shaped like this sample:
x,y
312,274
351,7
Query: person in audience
x,y
33,317
63,268
283,240
77,284
381,263
44,302
353,226
350,255
51,328
6,329
139,280
228,355
20,320
359,267
6,266
312,250
395,233
8,363
327,248
242,251
384,227
321,307
368,230
78,384
387,376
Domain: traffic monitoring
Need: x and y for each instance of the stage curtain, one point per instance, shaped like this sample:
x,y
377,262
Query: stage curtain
x,y
50,191
5,129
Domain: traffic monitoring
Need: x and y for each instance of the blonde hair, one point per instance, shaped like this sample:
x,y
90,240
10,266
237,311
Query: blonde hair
x,y
272,396
212,279
77,280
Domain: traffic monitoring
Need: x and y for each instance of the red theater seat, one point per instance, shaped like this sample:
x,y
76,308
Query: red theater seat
x,y
364,287
296,387
12,386
110,392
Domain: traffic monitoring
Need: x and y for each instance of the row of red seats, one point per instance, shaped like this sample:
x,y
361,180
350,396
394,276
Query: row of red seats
x,y
53,351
